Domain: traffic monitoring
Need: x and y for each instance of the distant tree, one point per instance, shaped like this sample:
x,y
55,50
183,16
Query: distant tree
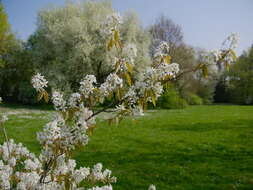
x,y
189,83
204,87
11,61
222,92
164,29
16,74
69,42
6,37
240,79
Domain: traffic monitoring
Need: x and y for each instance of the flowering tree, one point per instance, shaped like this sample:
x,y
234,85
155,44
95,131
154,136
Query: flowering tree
x,y
76,117
69,39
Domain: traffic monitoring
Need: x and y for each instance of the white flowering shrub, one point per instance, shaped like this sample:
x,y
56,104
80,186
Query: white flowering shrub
x,y
76,117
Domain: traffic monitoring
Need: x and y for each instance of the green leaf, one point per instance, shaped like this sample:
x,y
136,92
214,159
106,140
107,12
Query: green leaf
x,y
91,129
67,183
46,98
110,44
116,35
118,93
227,66
204,71
128,78
153,98
116,120
167,59
129,67
117,65
233,54
40,96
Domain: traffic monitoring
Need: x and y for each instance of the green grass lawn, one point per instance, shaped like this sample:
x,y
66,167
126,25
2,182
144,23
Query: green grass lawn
x,y
197,148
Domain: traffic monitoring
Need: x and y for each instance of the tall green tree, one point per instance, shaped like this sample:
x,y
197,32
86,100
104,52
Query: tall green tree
x,y
15,76
6,37
240,79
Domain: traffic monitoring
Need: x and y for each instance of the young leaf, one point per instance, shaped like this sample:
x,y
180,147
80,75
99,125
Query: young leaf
x,y
233,54
167,59
227,66
118,94
90,130
40,96
117,65
204,71
46,98
116,35
129,81
153,98
110,44
129,67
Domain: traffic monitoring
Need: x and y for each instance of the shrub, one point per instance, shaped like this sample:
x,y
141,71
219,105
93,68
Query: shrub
x,y
240,79
193,99
171,100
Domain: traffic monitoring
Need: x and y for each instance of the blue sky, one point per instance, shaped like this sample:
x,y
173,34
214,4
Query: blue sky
x,y
205,23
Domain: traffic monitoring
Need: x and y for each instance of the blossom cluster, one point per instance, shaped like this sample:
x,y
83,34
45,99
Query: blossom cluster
x,y
13,156
112,23
231,42
58,101
151,83
112,82
226,53
58,135
16,155
39,82
129,53
162,50
3,118
74,100
87,85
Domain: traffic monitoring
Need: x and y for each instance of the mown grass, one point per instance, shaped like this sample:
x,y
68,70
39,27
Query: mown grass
x,y
197,148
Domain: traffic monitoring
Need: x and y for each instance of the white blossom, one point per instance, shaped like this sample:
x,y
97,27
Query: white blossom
x,y
113,81
12,162
58,101
152,187
80,174
74,100
130,50
120,108
129,54
87,85
28,180
216,54
162,49
167,70
32,164
106,187
39,82
112,23
3,118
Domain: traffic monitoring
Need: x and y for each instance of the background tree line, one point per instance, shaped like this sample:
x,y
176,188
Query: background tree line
x,y
68,43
